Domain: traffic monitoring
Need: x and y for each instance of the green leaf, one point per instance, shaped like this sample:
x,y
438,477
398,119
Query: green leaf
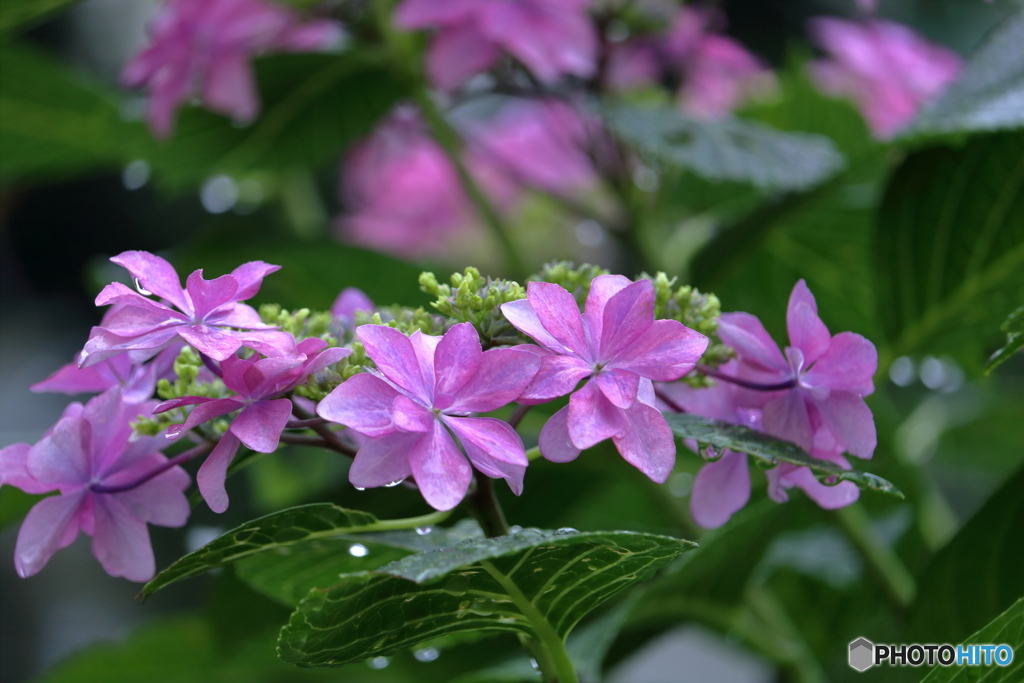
x,y
976,575
539,584
1014,329
1007,628
949,244
768,449
15,504
988,95
288,573
272,532
21,13
730,149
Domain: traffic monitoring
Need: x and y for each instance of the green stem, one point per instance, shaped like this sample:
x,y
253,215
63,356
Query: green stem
x,y
449,140
487,509
408,522
555,663
896,578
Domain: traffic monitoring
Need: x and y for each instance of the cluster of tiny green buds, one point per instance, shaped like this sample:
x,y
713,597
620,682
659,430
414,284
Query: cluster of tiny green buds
x,y
566,274
302,324
406,320
318,385
187,367
472,298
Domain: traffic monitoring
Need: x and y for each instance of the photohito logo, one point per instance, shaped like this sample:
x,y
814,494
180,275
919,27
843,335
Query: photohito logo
x,y
864,654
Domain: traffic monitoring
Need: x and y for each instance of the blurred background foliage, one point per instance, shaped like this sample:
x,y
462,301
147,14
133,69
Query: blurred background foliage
x,y
917,244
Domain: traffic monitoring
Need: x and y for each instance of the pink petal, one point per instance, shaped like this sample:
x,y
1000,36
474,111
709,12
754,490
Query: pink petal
x,y
457,53
627,315
557,376
364,403
557,311
50,525
103,345
138,312
494,437
500,378
271,343
416,14
456,360
665,352
592,417
214,470
602,288
720,489
850,421
350,301
260,424
646,442
63,457
787,418
230,87
554,442
161,500
410,416
323,360
14,470
70,379
827,497
746,334
550,39
848,365
110,421
250,276
441,471
619,386
384,460
806,331
217,344
204,412
209,295
121,541
155,275
524,318
396,358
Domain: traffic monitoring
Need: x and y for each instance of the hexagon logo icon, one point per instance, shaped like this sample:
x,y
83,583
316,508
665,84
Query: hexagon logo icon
x,y
862,654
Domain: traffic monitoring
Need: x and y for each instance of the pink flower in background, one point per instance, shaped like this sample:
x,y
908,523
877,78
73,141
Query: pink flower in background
x,y
207,310
136,381
402,191
426,389
551,37
821,380
262,418
203,48
349,302
538,144
89,449
620,347
885,68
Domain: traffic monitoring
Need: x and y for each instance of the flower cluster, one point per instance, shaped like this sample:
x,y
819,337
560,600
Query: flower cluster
x,y
811,395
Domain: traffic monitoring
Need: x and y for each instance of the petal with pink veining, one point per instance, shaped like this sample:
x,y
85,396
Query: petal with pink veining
x,y
557,311
557,376
592,417
720,489
618,386
362,402
384,460
121,541
214,470
850,421
204,412
746,334
410,416
14,470
786,417
250,276
456,359
494,437
646,442
260,424
827,497
500,378
209,295
665,352
155,275
627,315
441,471
602,288
848,365
395,356
554,442
50,525
64,455
524,318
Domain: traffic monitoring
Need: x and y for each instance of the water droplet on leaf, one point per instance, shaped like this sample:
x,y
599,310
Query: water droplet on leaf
x,y
423,530
427,654
358,550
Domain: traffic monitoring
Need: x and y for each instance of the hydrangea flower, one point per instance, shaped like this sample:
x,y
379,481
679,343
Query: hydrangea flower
x,y
136,381
262,418
885,68
349,301
207,312
425,393
551,37
91,449
820,381
202,48
619,346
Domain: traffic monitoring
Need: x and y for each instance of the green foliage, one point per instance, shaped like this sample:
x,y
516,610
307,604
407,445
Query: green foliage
x,y
567,275
949,242
1007,628
15,504
1014,329
21,14
471,298
768,450
729,149
976,575
535,583
302,324
988,95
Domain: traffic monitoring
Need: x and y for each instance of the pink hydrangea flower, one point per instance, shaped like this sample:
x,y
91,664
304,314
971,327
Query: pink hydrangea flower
x,y
425,392
551,37
821,380
136,381
403,193
263,416
349,302
619,346
209,315
202,48
885,68
91,448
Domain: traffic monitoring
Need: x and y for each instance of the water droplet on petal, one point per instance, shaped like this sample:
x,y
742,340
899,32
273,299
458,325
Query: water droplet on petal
x,y
378,662
427,654
142,290
392,484
360,488
358,550
423,530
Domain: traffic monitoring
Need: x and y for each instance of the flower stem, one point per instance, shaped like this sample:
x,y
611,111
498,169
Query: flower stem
x,y
190,454
711,372
898,581
487,509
